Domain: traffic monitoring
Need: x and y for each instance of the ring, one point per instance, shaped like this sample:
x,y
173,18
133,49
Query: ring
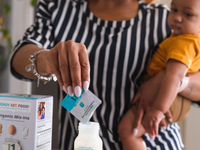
x,y
163,116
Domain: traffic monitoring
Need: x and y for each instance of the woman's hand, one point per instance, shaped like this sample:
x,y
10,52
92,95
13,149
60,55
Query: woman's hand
x,y
69,62
145,98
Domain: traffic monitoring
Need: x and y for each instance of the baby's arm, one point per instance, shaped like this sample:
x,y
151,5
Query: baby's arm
x,y
174,73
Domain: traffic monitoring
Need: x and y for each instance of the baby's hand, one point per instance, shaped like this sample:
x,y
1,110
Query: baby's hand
x,y
152,120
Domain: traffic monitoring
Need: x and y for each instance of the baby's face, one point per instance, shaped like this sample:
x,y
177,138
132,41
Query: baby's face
x,y
184,17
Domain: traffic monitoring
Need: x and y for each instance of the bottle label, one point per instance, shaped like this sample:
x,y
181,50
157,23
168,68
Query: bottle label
x,y
84,148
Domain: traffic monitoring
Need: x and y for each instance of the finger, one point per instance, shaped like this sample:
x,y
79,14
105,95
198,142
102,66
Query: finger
x,y
151,130
149,127
137,97
74,66
85,67
163,124
146,126
64,69
168,115
138,118
155,128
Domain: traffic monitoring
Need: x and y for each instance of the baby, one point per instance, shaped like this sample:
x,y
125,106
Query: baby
x,y
177,55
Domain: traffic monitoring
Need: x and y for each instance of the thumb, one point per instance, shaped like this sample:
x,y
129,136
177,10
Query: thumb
x,y
138,119
137,97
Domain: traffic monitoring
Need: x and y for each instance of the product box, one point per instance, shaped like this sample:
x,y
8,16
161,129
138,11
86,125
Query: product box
x,y
26,122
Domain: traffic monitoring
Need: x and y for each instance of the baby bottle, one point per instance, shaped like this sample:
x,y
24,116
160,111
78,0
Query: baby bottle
x,y
88,137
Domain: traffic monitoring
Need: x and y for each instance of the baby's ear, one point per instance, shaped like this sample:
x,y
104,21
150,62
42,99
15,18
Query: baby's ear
x,y
150,1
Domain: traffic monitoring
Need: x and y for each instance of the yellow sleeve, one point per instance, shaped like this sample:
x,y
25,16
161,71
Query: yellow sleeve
x,y
181,49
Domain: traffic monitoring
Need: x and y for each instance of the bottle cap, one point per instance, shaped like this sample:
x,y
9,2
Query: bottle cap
x,y
89,125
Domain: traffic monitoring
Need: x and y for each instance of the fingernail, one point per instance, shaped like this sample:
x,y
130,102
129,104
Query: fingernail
x,y
164,128
70,91
170,120
153,138
64,89
85,85
77,91
135,131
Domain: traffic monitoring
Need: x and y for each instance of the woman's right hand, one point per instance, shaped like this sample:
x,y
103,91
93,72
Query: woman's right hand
x,y
69,62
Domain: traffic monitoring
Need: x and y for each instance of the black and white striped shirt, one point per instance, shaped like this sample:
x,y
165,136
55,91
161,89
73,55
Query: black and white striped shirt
x,y
118,52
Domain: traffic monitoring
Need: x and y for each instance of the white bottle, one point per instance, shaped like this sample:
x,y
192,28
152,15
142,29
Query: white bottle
x,y
88,137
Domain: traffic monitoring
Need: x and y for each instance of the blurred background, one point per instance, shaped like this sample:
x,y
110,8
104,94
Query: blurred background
x,y
15,17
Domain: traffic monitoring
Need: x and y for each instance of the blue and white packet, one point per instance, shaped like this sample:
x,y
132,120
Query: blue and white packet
x,y
81,107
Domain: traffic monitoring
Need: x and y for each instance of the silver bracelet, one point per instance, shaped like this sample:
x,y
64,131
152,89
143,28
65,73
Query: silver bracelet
x,y
33,67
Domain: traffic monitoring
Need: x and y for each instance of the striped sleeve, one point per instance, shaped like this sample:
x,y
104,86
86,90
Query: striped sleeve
x,y
39,33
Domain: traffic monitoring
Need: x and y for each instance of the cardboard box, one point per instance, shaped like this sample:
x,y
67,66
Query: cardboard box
x,y
26,122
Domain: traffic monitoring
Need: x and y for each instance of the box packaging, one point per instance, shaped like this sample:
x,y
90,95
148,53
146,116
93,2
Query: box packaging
x,y
26,122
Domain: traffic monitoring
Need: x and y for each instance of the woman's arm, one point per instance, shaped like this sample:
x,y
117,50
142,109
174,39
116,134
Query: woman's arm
x,y
67,60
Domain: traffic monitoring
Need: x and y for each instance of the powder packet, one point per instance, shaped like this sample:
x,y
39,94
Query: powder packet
x,y
81,107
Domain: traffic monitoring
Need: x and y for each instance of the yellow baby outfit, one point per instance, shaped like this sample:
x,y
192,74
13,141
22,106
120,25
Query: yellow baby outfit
x,y
184,48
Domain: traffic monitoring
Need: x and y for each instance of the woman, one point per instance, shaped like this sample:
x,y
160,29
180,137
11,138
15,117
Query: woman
x,y
113,36
41,106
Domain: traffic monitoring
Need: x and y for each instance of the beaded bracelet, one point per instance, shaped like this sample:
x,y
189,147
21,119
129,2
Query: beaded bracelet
x,y
33,67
